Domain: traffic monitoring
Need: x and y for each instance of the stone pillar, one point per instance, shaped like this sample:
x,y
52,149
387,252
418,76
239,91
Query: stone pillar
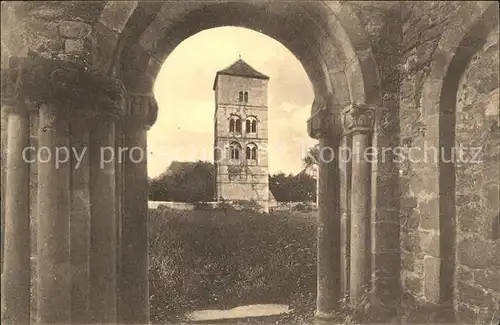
x,y
16,241
345,201
358,122
53,226
80,217
324,126
3,154
134,284
119,159
65,269
103,275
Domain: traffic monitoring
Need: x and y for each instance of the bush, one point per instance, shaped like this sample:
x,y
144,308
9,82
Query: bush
x,y
247,205
215,260
202,206
303,207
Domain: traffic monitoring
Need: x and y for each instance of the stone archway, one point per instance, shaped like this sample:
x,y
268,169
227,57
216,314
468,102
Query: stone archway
x,y
340,65
87,273
443,248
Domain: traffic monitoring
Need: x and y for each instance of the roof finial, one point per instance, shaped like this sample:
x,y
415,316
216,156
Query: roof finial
x,y
239,54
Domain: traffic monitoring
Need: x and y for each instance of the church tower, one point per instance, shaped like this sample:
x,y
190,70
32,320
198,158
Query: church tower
x,y
240,141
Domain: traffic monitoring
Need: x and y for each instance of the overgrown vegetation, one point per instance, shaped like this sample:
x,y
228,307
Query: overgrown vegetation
x,y
195,182
215,260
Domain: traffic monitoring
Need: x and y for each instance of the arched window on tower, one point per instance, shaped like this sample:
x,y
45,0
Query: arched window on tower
x,y
234,124
246,97
234,150
251,125
251,151
240,98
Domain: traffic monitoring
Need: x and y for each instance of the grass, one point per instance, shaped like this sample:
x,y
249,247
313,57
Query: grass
x,y
216,260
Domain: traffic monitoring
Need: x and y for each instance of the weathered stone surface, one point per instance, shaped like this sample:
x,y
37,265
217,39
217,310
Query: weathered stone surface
x,y
74,46
427,211
381,240
407,261
432,278
465,314
411,242
488,279
74,29
464,274
412,283
474,296
478,254
477,184
429,243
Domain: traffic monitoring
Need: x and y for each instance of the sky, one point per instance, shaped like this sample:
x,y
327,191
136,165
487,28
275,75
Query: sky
x,y
184,130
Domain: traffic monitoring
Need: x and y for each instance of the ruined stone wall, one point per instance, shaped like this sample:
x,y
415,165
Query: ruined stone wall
x,y
404,37
477,283
448,210
423,24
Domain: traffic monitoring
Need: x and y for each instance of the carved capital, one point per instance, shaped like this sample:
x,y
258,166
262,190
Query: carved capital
x,y
73,86
323,124
142,110
10,92
358,118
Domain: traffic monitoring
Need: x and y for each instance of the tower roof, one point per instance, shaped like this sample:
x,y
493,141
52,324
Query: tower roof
x,y
240,69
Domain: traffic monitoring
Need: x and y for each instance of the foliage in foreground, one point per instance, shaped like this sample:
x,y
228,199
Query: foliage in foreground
x,y
216,260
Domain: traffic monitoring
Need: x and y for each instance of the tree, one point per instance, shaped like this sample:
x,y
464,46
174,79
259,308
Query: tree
x,y
292,188
184,182
312,157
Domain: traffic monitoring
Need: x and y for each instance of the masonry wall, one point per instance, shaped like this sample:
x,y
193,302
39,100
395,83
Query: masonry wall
x,y
423,24
448,215
477,279
228,88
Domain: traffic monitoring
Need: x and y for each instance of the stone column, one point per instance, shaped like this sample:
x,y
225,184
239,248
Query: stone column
x,y
103,275
3,154
134,285
324,126
345,201
80,217
53,225
16,241
358,122
119,201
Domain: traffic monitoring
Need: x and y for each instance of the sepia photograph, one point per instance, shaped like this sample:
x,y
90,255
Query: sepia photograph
x,y
250,162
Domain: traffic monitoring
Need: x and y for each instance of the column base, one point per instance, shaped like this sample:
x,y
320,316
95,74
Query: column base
x,y
324,318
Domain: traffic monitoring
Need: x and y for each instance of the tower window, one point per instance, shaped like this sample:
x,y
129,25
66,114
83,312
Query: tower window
x,y
240,98
251,125
246,97
251,152
235,124
234,150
